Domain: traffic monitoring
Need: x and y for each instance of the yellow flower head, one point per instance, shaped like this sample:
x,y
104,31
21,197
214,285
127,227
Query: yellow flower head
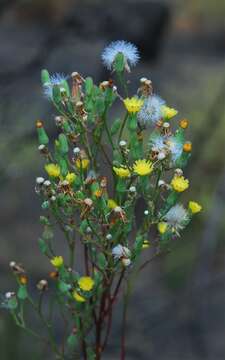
x,y
112,204
52,170
179,183
133,105
168,112
82,163
194,207
122,172
78,297
162,227
86,283
143,167
57,261
145,244
70,177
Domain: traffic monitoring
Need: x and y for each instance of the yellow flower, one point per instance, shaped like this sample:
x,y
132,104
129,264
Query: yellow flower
x,y
162,227
194,207
70,177
145,244
52,170
86,283
122,172
82,163
57,261
112,204
78,297
187,146
179,183
133,105
168,112
143,167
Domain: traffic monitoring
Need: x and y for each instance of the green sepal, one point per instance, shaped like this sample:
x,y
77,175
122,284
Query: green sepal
x,y
115,126
63,167
42,136
56,94
63,287
22,292
45,77
119,63
63,144
88,85
65,85
100,106
132,122
121,185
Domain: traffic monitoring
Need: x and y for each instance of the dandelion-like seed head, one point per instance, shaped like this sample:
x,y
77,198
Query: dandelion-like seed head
x,y
129,51
55,79
120,251
151,111
176,217
157,142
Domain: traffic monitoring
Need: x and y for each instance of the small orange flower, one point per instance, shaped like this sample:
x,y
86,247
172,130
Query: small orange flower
x,y
23,279
187,146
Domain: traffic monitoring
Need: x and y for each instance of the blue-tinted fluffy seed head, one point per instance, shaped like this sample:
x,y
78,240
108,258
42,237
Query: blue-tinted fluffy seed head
x,y
157,142
129,51
55,79
175,147
151,111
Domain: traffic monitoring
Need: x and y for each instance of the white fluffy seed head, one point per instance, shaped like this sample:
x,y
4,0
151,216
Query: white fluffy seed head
x,y
9,295
132,189
40,180
109,237
161,183
76,150
122,143
47,183
161,155
88,230
41,147
146,212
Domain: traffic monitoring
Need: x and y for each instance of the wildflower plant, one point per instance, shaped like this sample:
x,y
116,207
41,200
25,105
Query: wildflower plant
x,y
94,205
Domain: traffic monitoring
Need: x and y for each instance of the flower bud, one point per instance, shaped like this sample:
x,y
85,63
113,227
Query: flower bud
x,y
42,285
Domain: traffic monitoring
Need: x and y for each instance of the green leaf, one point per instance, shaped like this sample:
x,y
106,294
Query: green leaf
x,y
22,292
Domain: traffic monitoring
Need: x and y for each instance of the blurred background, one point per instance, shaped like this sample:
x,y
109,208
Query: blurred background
x,y
178,308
